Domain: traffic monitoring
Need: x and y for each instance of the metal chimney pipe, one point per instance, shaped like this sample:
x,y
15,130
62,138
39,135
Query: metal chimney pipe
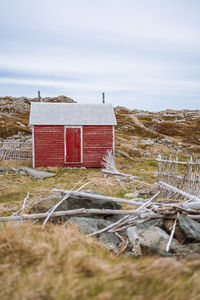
x,y
103,97
39,96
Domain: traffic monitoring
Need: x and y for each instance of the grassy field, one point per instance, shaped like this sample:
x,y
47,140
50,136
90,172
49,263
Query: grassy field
x,y
61,263
13,188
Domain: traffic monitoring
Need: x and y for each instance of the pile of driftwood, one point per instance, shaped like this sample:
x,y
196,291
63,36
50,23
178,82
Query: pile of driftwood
x,y
128,223
169,225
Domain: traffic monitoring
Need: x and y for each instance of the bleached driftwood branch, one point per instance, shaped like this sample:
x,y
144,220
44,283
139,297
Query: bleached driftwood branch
x,y
99,197
108,227
171,236
37,174
84,211
117,173
63,199
177,161
24,204
124,220
178,191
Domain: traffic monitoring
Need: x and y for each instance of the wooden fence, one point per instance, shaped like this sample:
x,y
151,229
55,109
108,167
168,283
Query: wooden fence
x,y
184,175
17,150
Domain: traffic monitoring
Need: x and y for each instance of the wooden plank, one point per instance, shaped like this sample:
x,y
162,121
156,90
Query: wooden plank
x,y
49,146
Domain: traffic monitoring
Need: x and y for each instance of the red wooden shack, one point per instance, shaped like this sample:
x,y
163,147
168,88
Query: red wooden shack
x,y
71,134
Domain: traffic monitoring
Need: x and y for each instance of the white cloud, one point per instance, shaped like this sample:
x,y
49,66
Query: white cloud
x,y
148,48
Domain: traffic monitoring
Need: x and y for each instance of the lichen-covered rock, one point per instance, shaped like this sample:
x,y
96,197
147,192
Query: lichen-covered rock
x,y
89,225
155,237
74,202
190,228
152,238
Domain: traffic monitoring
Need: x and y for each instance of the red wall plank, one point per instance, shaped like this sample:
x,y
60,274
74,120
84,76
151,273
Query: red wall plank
x,y
49,145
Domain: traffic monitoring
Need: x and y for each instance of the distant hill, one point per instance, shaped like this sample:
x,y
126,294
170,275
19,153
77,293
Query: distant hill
x,y
181,127
14,113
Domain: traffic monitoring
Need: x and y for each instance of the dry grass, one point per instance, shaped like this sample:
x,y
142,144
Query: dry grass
x,y
188,131
60,263
131,128
13,188
11,125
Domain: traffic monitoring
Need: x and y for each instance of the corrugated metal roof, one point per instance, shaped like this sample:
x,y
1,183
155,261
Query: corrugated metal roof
x,y
71,114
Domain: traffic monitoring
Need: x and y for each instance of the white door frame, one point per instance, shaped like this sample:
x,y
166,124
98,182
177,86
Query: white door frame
x,y
33,147
65,150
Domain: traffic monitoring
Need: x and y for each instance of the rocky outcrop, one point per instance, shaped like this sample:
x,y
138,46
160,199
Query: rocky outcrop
x,y
14,114
14,105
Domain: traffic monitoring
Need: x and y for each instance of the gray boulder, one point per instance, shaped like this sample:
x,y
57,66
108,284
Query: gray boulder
x,y
189,227
48,202
73,202
89,225
189,248
152,238
155,237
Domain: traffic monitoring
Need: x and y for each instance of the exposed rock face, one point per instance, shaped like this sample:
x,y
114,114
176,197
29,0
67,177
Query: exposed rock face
x,y
14,114
22,104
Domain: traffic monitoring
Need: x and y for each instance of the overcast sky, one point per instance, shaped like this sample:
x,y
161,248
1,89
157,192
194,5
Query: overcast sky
x,y
143,54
